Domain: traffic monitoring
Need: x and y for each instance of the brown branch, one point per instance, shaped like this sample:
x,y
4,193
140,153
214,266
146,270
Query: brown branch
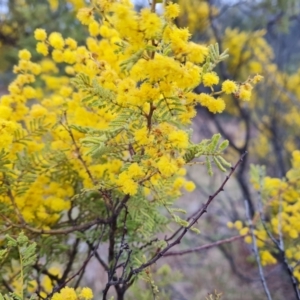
x,y
81,227
153,4
205,247
194,220
149,116
81,269
98,257
77,148
112,279
71,256
14,204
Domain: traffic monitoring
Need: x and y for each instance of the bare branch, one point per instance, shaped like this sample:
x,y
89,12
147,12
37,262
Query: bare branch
x,y
196,217
206,247
256,252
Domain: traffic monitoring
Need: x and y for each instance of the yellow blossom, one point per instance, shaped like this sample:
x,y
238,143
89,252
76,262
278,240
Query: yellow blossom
x,y
42,48
29,92
71,43
257,78
244,94
204,99
172,11
244,231
179,182
57,55
86,293
248,239
189,186
150,23
40,34
210,79
135,170
141,136
68,293
196,53
267,258
24,54
293,234
216,106
238,225
229,87
127,185
179,139
56,40
85,16
94,28
166,166
5,112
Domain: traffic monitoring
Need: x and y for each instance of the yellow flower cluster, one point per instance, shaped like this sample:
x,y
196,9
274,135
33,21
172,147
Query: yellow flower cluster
x,y
152,84
68,293
281,203
195,14
109,113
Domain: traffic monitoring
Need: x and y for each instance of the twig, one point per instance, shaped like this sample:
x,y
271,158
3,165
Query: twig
x,y
123,246
148,243
59,287
205,247
81,227
197,216
77,148
98,257
153,4
256,253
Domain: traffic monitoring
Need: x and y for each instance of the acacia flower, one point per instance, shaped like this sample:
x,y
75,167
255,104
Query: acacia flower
x,y
229,87
210,79
40,34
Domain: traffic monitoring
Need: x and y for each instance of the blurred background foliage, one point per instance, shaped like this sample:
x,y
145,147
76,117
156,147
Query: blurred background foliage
x,y
263,37
19,19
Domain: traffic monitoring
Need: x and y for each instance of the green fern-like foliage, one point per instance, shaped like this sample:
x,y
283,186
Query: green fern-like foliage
x,y
212,150
26,252
214,57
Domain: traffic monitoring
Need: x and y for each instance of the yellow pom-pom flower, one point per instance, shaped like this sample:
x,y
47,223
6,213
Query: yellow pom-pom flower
x,y
216,106
71,43
86,294
238,225
40,34
56,40
179,139
210,79
189,186
24,54
172,11
257,78
85,16
42,48
245,94
94,28
229,87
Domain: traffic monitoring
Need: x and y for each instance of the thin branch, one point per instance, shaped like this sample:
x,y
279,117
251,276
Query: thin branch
x,y
71,258
77,148
98,257
206,247
256,253
153,4
123,246
81,227
62,285
194,220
